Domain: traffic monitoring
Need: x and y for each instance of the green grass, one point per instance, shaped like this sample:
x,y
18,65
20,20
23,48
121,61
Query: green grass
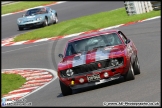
x,y
11,82
95,21
22,5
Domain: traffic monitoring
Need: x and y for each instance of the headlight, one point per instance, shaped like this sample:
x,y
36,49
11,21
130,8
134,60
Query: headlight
x,y
20,21
114,62
69,72
39,18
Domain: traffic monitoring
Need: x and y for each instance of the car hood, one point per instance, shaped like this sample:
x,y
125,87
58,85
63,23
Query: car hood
x,y
28,18
91,56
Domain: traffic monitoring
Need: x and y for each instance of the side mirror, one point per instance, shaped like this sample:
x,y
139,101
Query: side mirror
x,y
23,15
60,55
127,41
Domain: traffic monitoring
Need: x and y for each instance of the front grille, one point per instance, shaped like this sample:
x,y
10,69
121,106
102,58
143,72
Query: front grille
x,y
91,67
29,21
29,24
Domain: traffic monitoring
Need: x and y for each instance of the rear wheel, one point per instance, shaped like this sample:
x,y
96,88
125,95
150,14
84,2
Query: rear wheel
x,y
56,19
130,74
136,67
65,89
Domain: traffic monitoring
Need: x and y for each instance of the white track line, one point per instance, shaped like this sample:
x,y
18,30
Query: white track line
x,y
26,47
151,18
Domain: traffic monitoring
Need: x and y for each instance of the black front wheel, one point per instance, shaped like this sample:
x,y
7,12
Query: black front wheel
x,y
65,89
130,74
136,67
56,20
45,23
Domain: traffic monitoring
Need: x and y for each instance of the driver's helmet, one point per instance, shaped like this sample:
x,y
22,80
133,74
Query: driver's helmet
x,y
110,39
79,47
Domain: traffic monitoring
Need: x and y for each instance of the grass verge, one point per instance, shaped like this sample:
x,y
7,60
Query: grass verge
x,y
95,21
11,82
22,5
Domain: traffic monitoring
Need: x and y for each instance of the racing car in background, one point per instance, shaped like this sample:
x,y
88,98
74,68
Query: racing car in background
x,y
96,58
40,16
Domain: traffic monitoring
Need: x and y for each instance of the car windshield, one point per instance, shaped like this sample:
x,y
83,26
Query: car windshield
x,y
35,11
92,43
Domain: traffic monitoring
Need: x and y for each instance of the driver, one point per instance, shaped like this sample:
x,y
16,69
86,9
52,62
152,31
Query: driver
x,y
110,39
79,47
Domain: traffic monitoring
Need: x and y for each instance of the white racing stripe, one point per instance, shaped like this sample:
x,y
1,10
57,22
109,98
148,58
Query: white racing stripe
x,y
102,54
79,60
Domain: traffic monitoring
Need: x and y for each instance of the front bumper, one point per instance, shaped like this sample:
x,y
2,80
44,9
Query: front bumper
x,y
117,76
113,73
31,24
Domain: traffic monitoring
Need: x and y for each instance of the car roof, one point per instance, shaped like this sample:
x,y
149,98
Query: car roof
x,y
92,34
37,7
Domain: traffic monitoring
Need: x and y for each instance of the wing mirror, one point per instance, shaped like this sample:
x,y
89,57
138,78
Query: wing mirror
x,y
127,41
60,55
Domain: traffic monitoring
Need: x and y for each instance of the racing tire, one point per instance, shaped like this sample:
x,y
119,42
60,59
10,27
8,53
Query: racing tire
x,y
21,28
56,20
45,23
130,74
136,67
65,89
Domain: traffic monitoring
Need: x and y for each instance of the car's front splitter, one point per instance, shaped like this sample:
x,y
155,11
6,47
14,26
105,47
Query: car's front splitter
x,y
31,24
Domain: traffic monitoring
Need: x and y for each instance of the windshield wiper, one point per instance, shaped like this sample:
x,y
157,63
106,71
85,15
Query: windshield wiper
x,y
80,51
98,47
108,45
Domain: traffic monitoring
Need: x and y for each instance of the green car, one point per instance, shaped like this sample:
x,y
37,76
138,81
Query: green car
x,y
37,17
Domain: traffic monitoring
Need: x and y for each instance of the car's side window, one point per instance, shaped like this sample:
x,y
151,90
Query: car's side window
x,y
49,10
122,36
46,10
70,50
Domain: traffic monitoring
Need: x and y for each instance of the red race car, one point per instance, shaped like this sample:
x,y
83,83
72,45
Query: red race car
x,y
97,57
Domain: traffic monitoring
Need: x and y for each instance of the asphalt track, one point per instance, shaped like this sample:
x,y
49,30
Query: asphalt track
x,y
66,11
146,86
